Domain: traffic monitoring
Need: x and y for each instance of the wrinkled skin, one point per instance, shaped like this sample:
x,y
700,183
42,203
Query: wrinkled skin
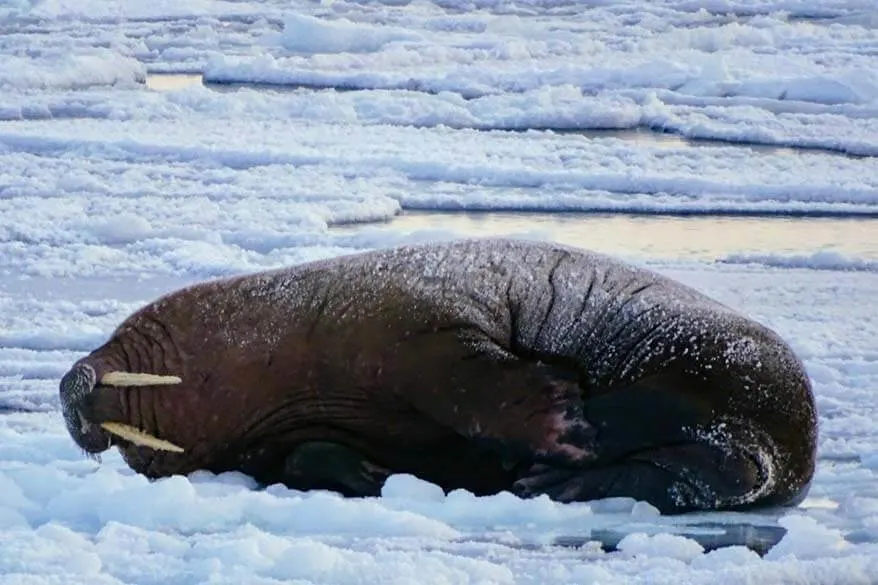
x,y
486,365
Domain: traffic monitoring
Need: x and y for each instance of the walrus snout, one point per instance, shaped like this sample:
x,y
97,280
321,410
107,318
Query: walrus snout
x,y
75,390
80,409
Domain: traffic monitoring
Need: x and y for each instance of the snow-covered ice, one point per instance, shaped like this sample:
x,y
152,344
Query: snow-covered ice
x,y
778,72
324,128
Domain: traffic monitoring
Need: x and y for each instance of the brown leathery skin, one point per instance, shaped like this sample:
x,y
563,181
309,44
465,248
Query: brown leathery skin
x,y
439,359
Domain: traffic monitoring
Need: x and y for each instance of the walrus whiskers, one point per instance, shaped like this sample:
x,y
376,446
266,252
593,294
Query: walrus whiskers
x,y
139,437
137,379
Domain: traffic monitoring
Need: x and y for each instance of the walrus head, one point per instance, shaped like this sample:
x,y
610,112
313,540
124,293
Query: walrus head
x,y
199,378
81,393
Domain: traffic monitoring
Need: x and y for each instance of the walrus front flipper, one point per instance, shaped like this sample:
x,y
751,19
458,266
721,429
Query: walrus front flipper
x,y
521,409
331,466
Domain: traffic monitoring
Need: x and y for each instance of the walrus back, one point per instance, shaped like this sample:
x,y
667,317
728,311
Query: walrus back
x,y
616,327
337,338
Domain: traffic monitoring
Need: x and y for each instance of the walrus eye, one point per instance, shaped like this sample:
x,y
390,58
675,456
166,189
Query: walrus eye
x,y
139,437
135,379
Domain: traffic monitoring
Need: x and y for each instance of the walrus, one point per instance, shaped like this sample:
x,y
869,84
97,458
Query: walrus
x,y
480,364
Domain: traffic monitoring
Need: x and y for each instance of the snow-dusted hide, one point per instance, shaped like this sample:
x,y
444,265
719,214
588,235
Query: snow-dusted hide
x,y
480,364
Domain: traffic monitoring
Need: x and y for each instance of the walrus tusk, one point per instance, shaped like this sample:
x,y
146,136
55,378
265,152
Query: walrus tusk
x,y
139,437
136,379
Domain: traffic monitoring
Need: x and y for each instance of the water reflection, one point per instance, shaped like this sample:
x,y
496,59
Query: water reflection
x,y
653,138
699,237
172,81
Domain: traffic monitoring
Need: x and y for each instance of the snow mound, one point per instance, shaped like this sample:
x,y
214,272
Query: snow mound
x,y
311,35
822,260
70,71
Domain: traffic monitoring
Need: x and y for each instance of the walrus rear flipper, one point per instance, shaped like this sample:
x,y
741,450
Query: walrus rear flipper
x,y
660,439
677,479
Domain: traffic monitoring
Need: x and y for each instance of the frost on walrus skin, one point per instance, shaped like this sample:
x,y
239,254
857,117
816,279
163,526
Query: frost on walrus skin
x,y
552,370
